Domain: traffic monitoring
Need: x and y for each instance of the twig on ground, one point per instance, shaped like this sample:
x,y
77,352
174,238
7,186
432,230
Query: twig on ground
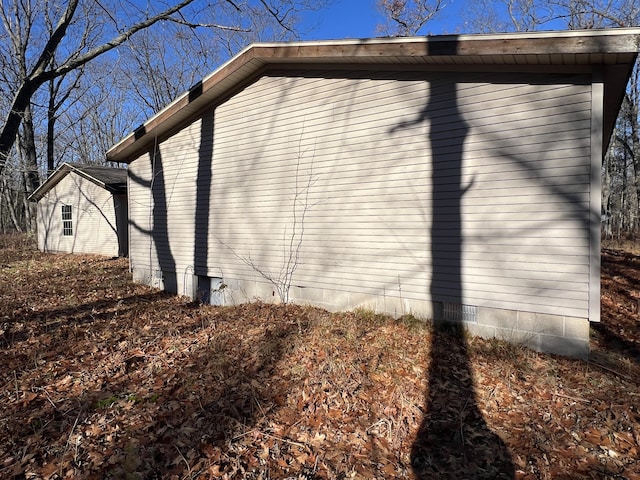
x,y
577,399
609,369
48,397
268,435
186,462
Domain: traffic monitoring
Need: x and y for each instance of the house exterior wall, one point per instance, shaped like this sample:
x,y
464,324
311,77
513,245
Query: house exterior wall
x,y
162,206
433,194
121,209
93,218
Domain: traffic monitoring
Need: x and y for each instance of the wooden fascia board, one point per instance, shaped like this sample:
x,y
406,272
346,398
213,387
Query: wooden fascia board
x,y
452,46
253,61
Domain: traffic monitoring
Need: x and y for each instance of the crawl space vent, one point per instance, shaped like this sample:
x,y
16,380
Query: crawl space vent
x,y
454,312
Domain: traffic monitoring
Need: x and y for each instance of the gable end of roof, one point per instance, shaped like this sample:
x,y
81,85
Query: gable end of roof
x,y
111,179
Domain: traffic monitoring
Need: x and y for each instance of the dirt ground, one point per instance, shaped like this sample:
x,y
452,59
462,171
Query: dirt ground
x,y
102,378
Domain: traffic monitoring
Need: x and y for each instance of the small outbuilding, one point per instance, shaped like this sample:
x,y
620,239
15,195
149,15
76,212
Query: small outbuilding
x,y
452,177
83,209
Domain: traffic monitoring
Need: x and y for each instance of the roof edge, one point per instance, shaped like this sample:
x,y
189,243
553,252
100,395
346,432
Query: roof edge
x,y
256,57
58,174
459,38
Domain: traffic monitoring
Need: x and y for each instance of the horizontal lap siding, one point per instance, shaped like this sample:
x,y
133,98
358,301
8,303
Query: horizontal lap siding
x,y
552,170
355,156
49,224
95,223
162,206
335,134
363,155
93,218
142,252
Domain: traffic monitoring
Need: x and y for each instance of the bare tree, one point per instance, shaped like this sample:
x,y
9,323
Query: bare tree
x,y
621,166
407,17
97,116
41,70
18,21
158,65
8,208
530,15
52,45
61,92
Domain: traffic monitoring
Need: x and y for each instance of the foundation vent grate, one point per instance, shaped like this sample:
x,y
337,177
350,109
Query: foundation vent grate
x,y
455,312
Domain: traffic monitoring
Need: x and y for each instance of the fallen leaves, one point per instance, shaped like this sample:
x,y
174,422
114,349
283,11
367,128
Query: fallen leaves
x,y
104,378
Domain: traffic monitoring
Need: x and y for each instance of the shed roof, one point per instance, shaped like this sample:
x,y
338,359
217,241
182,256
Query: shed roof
x,y
109,178
612,50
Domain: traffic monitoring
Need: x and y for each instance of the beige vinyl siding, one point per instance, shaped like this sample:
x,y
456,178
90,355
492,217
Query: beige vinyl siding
x,y
354,154
142,250
365,154
93,218
162,219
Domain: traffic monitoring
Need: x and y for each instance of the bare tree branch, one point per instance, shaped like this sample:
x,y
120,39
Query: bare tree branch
x,y
407,17
280,18
39,75
180,21
77,61
54,40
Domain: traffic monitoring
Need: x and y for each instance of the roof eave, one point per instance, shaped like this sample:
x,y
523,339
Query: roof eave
x,y
59,173
615,82
449,49
51,181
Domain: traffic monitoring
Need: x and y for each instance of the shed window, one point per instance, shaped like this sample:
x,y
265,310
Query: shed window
x,y
67,221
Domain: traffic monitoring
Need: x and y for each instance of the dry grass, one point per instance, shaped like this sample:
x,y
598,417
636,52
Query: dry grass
x,y
629,244
104,378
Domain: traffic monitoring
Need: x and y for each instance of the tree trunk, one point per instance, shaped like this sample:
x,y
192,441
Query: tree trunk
x,y
6,194
29,157
51,122
11,126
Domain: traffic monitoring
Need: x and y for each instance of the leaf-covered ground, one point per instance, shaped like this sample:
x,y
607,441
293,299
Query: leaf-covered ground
x,y
104,378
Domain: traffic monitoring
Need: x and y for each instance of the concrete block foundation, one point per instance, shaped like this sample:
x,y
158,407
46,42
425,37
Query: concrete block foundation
x,y
547,333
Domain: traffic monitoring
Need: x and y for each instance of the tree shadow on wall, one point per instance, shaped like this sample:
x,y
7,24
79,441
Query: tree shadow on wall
x,y
158,228
453,440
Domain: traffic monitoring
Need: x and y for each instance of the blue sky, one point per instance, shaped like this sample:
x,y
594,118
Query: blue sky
x,y
345,19
360,18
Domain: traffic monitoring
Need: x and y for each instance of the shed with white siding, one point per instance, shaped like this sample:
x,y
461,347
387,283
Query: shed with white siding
x,y
83,209
452,177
